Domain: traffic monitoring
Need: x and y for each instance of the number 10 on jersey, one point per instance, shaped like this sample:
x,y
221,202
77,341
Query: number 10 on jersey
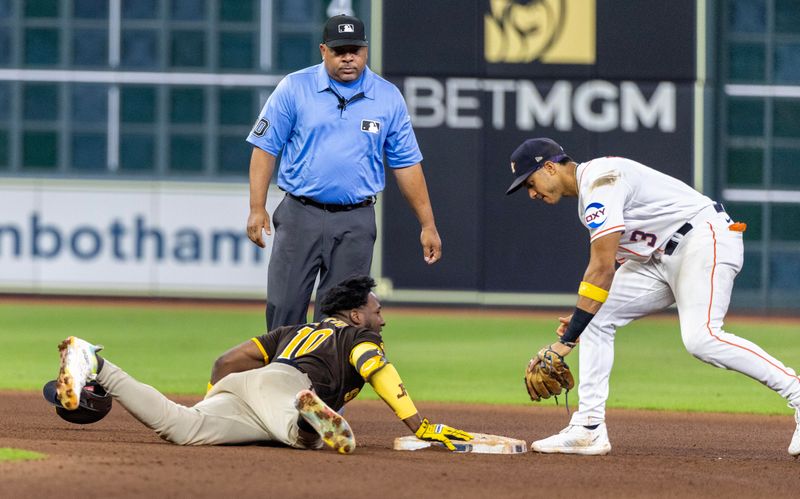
x,y
304,342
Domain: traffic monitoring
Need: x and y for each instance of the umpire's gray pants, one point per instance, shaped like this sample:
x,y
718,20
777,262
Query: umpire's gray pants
x,y
309,240
247,407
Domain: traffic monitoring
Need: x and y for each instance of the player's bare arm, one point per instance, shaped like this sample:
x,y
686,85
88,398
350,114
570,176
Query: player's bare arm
x,y
599,273
240,358
601,268
262,165
547,373
411,182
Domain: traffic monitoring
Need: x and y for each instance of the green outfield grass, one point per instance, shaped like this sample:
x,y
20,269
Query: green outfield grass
x,y
442,357
10,454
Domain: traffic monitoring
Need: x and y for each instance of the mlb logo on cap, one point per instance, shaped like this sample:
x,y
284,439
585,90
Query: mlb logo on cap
x,y
342,30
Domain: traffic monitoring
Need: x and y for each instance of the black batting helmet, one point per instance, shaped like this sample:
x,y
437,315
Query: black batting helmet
x,y
94,403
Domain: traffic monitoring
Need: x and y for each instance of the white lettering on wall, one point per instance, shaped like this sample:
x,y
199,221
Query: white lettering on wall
x,y
660,109
550,111
498,88
425,101
606,118
595,105
458,104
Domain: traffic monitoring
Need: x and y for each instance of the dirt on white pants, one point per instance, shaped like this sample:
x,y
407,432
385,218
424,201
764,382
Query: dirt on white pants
x,y
247,407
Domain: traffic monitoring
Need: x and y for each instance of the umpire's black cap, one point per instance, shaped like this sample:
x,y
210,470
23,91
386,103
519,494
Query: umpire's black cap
x,y
532,155
343,30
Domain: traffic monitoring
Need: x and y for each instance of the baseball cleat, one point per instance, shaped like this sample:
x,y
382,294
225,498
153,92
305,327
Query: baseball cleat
x,y
576,439
332,427
78,365
794,446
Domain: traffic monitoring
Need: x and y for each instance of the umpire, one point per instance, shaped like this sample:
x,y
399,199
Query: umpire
x,y
333,123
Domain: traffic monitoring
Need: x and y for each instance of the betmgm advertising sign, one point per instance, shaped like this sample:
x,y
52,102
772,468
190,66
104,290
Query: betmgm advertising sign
x,y
602,78
129,238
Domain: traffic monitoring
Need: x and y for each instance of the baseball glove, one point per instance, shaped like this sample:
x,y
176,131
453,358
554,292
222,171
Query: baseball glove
x,y
547,374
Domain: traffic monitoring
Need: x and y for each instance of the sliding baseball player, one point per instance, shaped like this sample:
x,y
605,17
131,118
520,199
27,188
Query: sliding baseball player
x,y
284,386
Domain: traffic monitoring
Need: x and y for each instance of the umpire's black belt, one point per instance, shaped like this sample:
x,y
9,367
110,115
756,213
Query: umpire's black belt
x,y
683,230
332,207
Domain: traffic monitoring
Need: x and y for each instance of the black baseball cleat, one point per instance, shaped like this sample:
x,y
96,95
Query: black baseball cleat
x,y
330,425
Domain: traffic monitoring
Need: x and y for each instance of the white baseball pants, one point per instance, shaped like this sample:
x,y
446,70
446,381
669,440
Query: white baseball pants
x,y
246,407
698,277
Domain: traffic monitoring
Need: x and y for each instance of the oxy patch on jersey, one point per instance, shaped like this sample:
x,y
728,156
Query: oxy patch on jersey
x,y
595,215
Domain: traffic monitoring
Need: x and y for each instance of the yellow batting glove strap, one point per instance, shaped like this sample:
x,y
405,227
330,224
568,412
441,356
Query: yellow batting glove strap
x,y
592,292
440,433
388,385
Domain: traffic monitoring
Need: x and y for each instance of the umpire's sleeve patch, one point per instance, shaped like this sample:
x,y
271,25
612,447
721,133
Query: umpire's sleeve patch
x,y
261,127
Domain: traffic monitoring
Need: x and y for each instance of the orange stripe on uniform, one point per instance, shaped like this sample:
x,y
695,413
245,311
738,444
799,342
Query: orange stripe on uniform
x,y
711,303
603,232
261,348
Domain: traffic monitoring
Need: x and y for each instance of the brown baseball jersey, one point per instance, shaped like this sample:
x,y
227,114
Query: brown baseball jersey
x,y
322,351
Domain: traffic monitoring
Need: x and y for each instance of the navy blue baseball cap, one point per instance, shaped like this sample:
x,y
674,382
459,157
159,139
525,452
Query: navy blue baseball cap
x,y
532,155
95,403
343,30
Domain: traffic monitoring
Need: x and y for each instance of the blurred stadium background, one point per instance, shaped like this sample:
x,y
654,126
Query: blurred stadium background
x,y
123,165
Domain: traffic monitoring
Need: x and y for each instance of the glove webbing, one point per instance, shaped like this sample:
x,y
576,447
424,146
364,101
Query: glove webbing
x,y
566,390
566,401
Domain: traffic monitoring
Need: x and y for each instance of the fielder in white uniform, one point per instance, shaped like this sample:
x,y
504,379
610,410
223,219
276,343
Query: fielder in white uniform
x,y
673,245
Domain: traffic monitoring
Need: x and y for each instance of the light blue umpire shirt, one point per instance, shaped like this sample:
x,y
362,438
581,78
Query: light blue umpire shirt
x,y
332,146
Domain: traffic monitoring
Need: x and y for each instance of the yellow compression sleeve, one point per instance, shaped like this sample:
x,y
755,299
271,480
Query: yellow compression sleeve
x,y
371,364
592,292
388,385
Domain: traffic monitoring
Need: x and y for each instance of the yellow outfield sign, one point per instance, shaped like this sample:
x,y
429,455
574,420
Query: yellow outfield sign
x,y
548,31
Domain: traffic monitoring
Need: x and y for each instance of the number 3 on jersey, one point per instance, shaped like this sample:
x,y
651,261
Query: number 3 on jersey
x,y
304,342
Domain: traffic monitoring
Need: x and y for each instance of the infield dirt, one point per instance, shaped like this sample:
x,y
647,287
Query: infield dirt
x,y
655,454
